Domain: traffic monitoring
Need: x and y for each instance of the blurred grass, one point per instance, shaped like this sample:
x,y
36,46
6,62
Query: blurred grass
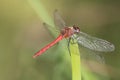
x,y
41,11
21,34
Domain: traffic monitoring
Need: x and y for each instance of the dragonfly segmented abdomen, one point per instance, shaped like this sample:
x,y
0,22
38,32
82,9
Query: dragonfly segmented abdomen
x,y
94,43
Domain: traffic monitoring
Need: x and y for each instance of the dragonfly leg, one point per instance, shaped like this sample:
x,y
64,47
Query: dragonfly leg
x,y
73,40
68,46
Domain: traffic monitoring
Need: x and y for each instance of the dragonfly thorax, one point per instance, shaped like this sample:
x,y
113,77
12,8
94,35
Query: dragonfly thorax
x,y
69,31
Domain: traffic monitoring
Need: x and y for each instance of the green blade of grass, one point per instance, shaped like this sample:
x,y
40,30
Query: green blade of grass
x,y
41,11
75,60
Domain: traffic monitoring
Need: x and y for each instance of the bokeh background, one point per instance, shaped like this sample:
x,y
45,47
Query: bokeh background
x,y
22,34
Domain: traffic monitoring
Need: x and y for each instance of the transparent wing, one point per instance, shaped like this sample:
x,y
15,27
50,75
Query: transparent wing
x,y
51,30
94,43
58,20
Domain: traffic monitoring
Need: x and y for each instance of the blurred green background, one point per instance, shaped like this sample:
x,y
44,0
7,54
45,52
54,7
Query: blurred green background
x,y
22,34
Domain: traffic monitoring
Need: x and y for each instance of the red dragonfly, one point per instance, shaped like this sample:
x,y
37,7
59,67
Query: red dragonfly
x,y
82,38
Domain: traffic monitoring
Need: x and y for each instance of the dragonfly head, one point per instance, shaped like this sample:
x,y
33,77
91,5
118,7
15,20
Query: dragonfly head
x,y
76,29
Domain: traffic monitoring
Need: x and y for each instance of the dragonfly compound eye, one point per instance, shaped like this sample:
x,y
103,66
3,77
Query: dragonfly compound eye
x,y
77,29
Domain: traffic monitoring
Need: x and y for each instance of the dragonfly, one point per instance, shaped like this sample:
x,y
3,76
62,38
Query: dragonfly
x,y
69,32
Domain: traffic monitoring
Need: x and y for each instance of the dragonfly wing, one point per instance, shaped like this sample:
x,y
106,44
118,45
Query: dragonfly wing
x,y
58,20
94,43
50,29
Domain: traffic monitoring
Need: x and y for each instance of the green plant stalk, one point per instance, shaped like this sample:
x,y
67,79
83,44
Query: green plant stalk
x,y
75,60
41,11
